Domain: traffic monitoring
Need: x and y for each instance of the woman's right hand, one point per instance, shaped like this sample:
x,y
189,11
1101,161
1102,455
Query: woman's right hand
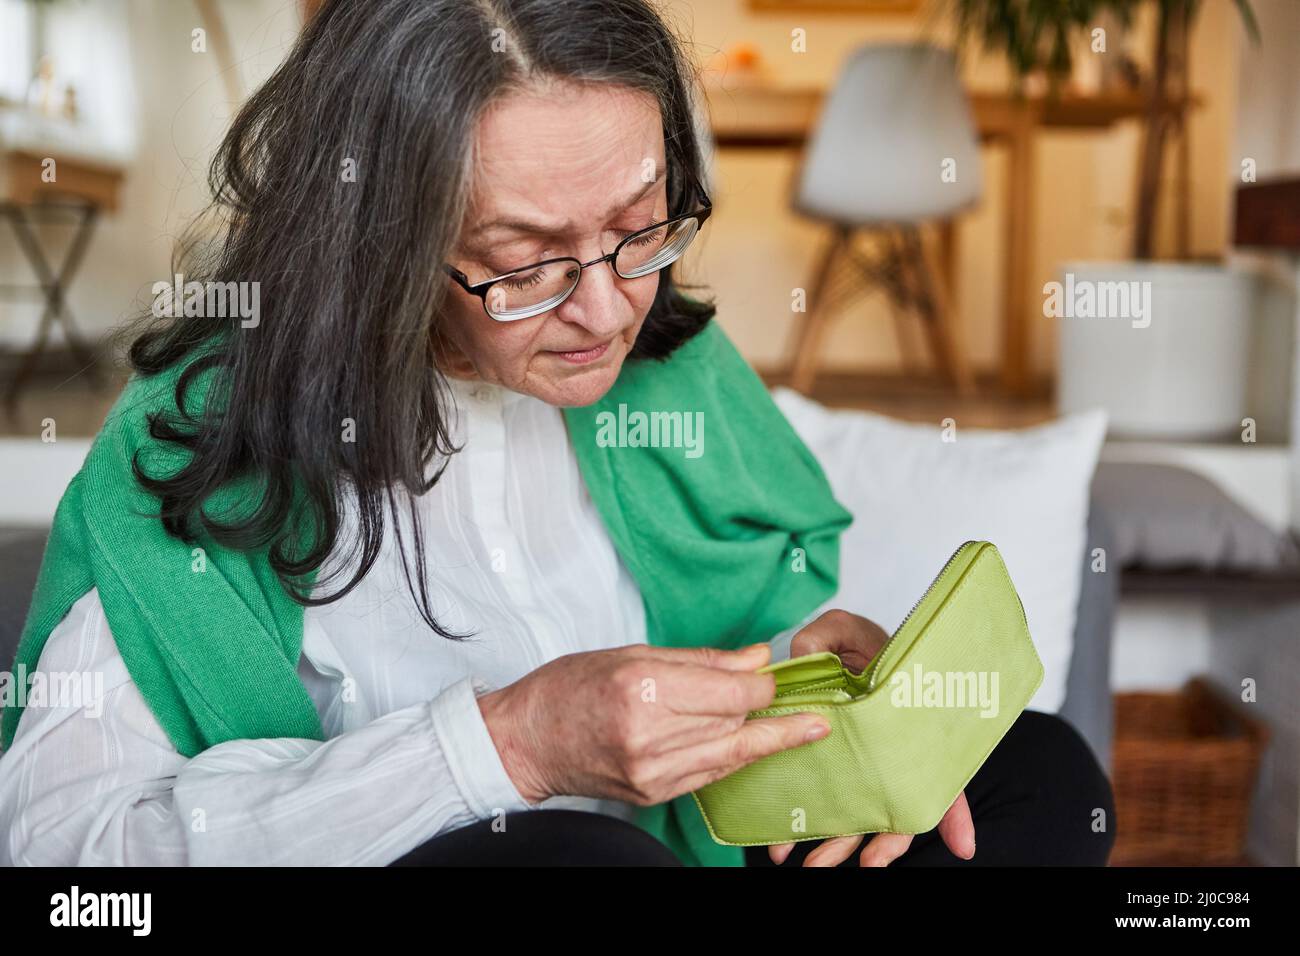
x,y
639,724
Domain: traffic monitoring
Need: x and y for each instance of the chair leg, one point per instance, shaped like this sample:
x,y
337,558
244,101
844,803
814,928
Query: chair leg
x,y
810,332
899,297
945,339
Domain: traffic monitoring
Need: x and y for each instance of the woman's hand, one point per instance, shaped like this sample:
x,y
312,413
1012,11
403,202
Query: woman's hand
x,y
639,724
857,640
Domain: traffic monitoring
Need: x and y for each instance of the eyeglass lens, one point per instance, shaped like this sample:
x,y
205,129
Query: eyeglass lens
x,y
535,290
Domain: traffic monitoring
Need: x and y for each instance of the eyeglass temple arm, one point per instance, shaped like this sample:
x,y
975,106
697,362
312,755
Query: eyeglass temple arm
x,y
462,280
698,188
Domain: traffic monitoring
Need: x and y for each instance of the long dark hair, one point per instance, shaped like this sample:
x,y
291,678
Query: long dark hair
x,y
350,293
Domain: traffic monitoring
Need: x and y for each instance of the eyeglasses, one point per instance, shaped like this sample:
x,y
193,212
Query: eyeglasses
x,y
532,290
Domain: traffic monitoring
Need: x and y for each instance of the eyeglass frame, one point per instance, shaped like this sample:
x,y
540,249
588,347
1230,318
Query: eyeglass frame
x,y
481,289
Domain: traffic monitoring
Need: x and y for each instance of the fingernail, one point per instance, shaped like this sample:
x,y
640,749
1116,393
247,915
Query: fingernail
x,y
818,731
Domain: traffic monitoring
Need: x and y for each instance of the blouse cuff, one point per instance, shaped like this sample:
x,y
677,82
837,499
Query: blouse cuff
x,y
471,756
780,644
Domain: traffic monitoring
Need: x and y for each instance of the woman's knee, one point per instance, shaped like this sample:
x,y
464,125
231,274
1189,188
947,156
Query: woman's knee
x,y
544,838
576,838
1070,789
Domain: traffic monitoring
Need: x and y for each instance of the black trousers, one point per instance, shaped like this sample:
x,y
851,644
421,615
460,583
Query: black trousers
x,y
1035,802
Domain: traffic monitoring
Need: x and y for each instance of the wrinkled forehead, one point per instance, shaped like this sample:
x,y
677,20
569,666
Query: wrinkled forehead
x,y
565,151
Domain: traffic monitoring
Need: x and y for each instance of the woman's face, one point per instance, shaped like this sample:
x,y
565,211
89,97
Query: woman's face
x,y
564,171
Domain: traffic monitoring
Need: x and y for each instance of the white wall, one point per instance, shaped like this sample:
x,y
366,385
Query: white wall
x,y
141,84
1268,123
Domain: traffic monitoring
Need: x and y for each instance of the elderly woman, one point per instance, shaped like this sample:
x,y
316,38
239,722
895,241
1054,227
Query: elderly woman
x,y
371,579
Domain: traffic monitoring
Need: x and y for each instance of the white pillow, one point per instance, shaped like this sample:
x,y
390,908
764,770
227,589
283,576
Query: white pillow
x,y
915,498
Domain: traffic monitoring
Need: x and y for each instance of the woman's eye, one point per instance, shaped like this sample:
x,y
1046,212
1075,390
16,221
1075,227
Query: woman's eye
x,y
653,238
525,280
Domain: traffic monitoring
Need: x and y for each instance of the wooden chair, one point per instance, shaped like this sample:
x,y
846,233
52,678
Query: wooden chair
x,y
894,149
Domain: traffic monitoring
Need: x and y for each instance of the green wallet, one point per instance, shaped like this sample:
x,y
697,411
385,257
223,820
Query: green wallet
x,y
907,734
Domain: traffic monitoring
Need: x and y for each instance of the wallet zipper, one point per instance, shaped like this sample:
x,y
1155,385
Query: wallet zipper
x,y
880,655
816,685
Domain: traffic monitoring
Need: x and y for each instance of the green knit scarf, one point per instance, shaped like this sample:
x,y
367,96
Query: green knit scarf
x,y
720,512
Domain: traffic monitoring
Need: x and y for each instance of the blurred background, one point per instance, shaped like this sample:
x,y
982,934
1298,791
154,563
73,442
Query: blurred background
x,y
989,212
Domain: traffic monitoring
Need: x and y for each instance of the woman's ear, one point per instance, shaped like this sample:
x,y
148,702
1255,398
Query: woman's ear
x,y
446,356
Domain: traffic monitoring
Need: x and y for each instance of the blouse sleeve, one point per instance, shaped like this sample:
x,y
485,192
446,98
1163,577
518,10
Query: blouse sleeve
x,y
780,643
92,779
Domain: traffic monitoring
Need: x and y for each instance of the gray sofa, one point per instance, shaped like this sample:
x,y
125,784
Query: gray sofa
x,y
1087,700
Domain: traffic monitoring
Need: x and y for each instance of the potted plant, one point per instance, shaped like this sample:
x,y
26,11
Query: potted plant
x,y
1163,347
1036,37
1168,82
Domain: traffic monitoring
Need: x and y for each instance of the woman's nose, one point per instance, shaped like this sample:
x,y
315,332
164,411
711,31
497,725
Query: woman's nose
x,y
598,304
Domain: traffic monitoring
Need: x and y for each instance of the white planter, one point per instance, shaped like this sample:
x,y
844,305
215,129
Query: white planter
x,y
1164,348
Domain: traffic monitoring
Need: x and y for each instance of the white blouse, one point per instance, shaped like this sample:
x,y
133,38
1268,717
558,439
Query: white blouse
x,y
516,553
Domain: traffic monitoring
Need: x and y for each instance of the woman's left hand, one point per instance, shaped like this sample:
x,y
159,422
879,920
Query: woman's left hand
x,y
857,640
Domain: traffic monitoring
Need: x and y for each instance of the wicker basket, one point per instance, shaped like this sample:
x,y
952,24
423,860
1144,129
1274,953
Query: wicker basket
x,y
1184,769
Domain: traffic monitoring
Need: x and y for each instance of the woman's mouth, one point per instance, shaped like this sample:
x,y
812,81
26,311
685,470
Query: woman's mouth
x,y
584,356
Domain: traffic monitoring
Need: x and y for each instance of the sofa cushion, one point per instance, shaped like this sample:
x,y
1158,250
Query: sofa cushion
x,y
1168,518
918,491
